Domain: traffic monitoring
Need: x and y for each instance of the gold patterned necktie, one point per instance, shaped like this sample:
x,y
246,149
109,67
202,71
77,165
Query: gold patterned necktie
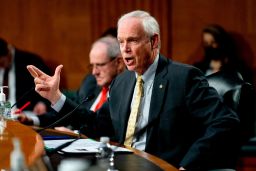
x,y
134,112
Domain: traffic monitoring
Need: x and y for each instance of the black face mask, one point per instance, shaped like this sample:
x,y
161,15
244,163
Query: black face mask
x,y
213,53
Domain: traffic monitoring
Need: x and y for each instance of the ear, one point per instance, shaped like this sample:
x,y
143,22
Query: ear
x,y
120,64
154,41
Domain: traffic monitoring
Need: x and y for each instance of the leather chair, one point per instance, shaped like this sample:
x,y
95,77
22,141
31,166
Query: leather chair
x,y
239,96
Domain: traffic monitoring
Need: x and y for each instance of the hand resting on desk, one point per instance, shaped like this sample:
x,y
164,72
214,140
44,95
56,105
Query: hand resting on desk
x,y
22,118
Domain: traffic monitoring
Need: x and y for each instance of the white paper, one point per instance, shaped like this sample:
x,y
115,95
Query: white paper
x,y
81,146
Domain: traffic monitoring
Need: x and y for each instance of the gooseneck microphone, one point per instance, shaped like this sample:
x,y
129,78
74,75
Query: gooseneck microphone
x,y
89,97
24,95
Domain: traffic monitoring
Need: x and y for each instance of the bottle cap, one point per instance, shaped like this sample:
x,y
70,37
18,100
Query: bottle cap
x,y
73,164
104,139
2,95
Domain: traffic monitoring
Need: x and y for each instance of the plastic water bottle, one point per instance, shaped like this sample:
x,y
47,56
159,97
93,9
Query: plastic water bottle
x,y
5,106
7,110
2,102
106,155
17,159
104,150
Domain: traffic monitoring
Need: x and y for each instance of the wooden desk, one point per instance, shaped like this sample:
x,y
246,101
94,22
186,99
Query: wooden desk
x,y
31,144
33,148
139,160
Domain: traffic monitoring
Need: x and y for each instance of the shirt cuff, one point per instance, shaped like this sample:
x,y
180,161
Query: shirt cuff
x,y
35,120
32,116
58,106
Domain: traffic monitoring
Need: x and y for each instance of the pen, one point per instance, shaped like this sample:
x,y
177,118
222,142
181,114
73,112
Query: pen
x,y
23,107
54,150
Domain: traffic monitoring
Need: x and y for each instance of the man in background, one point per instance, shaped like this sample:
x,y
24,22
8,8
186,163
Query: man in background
x,y
13,73
106,63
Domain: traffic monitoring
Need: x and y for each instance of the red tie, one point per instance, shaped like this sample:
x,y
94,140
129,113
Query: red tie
x,y
103,98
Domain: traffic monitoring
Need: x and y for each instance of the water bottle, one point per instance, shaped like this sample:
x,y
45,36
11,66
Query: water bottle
x,y
5,106
17,159
105,155
2,102
104,150
7,110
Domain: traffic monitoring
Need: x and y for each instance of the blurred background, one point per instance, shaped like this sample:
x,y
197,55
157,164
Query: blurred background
x,y
62,31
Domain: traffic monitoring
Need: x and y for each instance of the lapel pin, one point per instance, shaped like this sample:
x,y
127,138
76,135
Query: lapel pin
x,y
160,86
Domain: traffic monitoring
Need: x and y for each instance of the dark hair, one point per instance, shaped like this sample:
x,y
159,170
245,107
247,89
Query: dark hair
x,y
112,31
3,47
223,39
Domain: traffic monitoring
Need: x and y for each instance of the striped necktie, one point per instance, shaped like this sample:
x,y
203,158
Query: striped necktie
x,y
134,112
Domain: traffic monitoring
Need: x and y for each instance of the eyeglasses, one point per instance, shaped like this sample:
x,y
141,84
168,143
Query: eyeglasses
x,y
101,65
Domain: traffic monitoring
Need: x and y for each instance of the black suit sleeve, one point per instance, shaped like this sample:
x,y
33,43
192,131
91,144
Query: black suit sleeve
x,y
92,124
219,124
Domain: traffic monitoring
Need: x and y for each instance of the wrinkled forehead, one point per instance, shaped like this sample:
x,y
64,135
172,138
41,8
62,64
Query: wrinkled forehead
x,y
130,27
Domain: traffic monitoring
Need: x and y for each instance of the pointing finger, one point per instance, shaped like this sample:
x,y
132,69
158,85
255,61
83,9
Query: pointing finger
x,y
32,71
58,70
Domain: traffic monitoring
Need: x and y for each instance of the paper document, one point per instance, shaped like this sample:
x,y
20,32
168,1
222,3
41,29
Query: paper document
x,y
81,146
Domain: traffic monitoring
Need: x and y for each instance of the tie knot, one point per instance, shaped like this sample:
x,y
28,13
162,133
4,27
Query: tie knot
x,y
139,79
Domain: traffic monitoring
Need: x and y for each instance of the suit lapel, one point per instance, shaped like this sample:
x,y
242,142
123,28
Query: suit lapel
x,y
158,93
125,105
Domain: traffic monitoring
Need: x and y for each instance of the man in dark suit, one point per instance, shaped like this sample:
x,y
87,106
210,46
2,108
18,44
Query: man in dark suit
x,y
13,73
187,123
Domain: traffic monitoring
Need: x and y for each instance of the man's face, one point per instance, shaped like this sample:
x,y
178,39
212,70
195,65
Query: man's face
x,y
136,47
103,68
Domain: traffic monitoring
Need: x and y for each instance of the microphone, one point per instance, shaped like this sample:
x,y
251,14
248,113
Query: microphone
x,y
89,97
24,95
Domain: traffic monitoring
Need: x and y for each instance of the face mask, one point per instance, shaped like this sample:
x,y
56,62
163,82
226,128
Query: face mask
x,y
213,53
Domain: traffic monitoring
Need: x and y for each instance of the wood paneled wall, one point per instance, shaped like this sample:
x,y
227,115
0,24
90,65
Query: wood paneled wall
x,y
62,31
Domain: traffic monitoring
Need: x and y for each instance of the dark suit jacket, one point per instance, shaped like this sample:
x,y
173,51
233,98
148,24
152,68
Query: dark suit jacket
x,y
188,124
87,88
24,81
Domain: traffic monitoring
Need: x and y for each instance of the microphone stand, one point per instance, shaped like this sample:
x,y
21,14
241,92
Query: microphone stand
x,y
64,145
66,115
24,95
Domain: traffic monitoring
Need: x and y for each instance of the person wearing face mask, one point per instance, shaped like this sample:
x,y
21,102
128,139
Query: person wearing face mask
x,y
220,53
222,64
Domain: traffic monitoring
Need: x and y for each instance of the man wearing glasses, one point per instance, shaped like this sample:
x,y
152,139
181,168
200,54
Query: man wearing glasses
x,y
105,63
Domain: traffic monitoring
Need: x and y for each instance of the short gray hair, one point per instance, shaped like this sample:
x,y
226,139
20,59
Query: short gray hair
x,y
113,49
149,23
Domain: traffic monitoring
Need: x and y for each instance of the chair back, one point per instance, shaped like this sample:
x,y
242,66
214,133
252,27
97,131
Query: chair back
x,y
238,95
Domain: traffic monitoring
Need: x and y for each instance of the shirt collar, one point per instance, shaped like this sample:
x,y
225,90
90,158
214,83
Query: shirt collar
x,y
150,72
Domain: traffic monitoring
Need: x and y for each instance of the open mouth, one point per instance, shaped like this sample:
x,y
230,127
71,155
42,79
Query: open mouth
x,y
129,60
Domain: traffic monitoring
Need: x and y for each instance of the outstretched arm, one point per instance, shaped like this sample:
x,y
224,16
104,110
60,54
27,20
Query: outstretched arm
x,y
45,85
